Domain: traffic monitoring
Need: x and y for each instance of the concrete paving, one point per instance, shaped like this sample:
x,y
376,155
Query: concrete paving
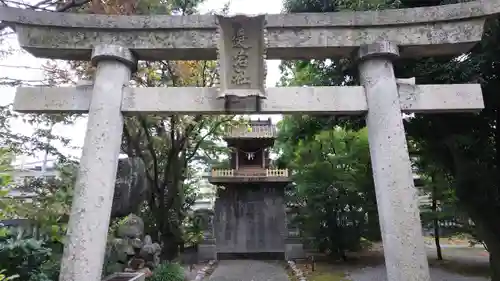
x,y
249,270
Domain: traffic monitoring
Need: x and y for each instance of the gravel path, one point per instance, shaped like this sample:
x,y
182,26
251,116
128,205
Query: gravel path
x,y
249,270
190,274
378,274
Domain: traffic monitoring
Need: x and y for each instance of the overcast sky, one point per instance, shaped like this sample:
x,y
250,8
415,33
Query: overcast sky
x,y
25,66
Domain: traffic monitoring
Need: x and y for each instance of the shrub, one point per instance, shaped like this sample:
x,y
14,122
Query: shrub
x,y
168,272
28,258
4,277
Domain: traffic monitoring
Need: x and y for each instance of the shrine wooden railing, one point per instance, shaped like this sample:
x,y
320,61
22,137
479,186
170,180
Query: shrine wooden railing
x,y
222,172
261,173
277,172
252,131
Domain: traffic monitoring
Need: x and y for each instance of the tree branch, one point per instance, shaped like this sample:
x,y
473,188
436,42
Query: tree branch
x,y
151,148
72,4
210,132
138,150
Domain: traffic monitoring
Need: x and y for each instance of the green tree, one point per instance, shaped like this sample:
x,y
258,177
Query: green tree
x,y
439,189
172,147
330,72
6,158
466,146
333,191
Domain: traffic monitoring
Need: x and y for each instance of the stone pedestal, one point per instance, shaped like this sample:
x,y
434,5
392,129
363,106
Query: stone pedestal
x,y
93,196
294,249
397,200
207,250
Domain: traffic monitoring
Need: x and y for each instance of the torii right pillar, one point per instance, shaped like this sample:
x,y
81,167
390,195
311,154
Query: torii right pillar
x,y
397,201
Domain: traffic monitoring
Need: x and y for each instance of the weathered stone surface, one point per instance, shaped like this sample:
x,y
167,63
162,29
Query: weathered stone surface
x,y
88,225
397,200
192,100
150,252
448,29
207,252
132,227
250,218
121,249
131,250
472,9
382,48
130,187
294,250
206,248
204,218
241,53
113,52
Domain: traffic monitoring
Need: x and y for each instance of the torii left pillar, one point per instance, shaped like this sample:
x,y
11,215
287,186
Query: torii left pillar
x,y
93,196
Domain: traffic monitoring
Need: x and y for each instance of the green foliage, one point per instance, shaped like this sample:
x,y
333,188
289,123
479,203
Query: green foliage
x,y
174,147
28,258
333,190
6,157
444,205
49,209
329,72
36,255
465,147
4,277
193,231
168,272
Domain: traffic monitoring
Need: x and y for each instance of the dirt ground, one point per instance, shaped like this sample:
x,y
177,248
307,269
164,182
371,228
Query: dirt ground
x,y
464,261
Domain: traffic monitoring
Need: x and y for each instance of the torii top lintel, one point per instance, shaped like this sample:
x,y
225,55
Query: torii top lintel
x,y
428,31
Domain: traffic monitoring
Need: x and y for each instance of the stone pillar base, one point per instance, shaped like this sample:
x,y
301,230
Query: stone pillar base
x,y
207,251
294,249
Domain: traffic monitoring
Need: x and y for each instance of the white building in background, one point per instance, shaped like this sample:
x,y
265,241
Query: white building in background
x,y
24,171
206,195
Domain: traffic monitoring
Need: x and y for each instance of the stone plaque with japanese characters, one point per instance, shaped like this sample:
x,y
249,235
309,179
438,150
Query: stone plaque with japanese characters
x,y
241,54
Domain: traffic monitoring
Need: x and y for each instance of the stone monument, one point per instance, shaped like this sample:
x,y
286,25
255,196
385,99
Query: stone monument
x,y
206,247
115,43
131,187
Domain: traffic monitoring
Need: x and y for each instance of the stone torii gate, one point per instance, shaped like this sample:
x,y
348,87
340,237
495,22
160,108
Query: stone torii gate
x,y
241,44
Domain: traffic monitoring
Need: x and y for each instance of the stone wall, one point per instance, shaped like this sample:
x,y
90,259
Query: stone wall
x,y
250,219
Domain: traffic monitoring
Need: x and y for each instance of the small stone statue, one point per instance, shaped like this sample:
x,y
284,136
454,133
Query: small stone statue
x,y
150,252
132,227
